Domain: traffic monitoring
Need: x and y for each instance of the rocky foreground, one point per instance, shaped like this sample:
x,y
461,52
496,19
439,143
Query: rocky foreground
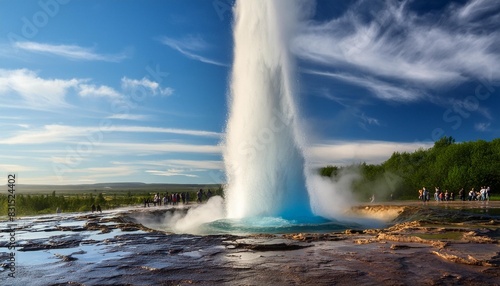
x,y
452,244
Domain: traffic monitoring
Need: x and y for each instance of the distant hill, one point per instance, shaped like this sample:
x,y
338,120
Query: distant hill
x,y
110,187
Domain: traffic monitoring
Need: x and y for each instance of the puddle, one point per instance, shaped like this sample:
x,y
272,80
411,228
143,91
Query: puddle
x,y
37,258
31,235
157,265
77,223
85,254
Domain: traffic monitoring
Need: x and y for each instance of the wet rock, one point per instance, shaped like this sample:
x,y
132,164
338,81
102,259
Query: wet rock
x,y
66,258
411,251
469,260
381,212
174,251
353,231
413,239
70,228
92,225
364,241
269,245
400,246
474,236
372,231
310,237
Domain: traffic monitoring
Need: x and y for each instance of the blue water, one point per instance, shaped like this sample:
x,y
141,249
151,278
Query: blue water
x,y
276,225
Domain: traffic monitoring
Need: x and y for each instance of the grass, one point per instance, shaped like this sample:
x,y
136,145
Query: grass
x,y
449,235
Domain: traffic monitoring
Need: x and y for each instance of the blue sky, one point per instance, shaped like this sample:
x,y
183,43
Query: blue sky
x,y
108,91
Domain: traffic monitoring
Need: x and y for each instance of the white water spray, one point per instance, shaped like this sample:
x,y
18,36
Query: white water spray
x,y
263,153
267,185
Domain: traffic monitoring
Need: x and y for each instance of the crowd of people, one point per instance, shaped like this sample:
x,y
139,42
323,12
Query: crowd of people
x,y
483,194
176,198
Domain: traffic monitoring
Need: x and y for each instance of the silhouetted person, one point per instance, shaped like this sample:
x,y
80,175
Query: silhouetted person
x,y
200,195
99,208
93,208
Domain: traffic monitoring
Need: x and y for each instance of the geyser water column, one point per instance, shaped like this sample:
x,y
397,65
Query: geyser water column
x,y
263,155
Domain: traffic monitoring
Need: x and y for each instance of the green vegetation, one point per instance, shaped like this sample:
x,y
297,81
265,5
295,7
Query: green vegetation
x,y
76,199
448,235
449,165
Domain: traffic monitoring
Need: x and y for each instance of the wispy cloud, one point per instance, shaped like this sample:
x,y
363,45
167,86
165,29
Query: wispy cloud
x,y
352,108
63,133
93,174
98,91
132,85
46,134
4,168
35,91
395,46
349,152
482,127
148,129
176,167
479,10
190,47
72,52
381,89
366,121
162,148
196,165
134,117
171,172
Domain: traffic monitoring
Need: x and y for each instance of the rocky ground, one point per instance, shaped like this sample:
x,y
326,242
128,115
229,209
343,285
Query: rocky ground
x,y
452,244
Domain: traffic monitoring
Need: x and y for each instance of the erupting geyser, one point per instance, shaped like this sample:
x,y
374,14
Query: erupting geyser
x,y
263,153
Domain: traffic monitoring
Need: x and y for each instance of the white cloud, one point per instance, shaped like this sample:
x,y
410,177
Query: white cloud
x,y
63,133
14,168
192,165
147,129
171,172
46,134
93,174
478,10
97,91
188,46
144,83
381,89
158,148
129,116
200,164
344,153
36,92
69,51
397,46
482,127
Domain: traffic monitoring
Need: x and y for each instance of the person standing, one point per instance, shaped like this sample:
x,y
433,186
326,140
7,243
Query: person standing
x,y
200,195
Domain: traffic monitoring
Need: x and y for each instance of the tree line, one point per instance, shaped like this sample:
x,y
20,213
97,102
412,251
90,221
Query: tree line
x,y
448,165
30,204
33,204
